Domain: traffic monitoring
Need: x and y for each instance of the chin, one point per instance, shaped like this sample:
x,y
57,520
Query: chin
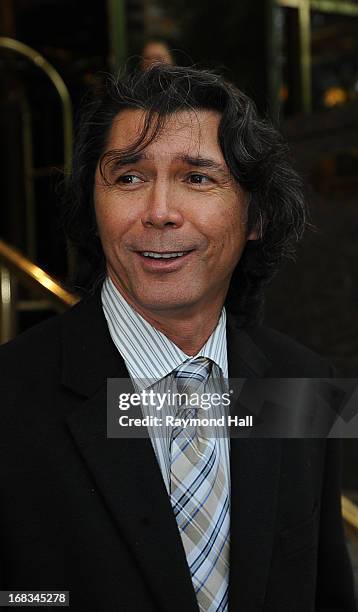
x,y
163,302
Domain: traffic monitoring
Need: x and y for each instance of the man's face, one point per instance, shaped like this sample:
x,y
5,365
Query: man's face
x,y
172,220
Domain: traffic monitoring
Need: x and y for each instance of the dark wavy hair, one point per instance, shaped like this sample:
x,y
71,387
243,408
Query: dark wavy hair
x,y
255,152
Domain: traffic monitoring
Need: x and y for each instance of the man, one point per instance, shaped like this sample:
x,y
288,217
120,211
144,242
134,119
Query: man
x,y
182,205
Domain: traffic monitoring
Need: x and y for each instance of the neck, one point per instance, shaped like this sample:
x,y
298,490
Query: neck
x,y
189,329
189,333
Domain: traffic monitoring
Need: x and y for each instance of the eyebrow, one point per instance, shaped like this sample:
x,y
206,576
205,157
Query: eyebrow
x,y
203,162
117,160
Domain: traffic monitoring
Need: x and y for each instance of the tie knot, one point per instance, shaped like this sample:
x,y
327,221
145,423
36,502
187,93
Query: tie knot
x,y
191,374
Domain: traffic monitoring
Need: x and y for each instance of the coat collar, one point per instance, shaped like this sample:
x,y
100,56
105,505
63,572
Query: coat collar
x,y
126,471
89,355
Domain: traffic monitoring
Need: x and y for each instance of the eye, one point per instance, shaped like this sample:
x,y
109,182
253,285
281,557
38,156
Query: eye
x,y
199,179
128,179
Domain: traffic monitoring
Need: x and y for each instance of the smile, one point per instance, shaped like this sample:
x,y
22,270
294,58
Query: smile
x,y
156,255
169,261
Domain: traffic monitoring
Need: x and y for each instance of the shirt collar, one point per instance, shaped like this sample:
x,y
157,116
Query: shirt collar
x,y
147,352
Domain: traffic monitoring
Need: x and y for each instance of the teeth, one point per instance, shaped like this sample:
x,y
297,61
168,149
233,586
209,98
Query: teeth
x,y
162,255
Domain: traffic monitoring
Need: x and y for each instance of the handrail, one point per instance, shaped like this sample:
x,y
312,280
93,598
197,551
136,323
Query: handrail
x,y
34,56
349,511
35,278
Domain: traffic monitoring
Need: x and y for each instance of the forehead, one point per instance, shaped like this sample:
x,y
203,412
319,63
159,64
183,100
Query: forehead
x,y
183,132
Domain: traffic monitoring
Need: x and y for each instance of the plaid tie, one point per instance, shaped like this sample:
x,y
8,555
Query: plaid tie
x,y
199,496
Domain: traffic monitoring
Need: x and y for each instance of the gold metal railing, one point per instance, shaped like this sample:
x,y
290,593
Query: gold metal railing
x,y
349,511
31,173
15,267
36,58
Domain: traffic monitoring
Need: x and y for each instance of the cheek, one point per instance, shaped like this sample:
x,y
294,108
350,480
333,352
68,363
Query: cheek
x,y
104,221
103,211
230,230
113,221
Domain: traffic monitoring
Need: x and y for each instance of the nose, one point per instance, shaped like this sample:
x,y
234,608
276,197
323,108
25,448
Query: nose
x,y
162,207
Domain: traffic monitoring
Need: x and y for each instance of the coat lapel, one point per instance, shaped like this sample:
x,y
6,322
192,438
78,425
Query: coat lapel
x,y
125,470
255,470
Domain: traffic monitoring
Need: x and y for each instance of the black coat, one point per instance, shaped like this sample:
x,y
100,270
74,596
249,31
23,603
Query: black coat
x,y
91,515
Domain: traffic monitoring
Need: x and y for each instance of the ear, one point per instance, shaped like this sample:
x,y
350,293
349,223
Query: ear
x,y
257,231
253,235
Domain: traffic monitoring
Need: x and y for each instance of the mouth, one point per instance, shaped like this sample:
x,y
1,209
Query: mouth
x,y
164,254
164,260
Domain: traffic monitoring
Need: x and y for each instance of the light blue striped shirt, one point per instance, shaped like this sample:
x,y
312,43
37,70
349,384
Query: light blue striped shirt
x,y
150,358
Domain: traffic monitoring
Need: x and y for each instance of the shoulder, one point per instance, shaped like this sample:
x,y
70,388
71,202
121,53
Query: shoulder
x,y
32,346
38,349
287,356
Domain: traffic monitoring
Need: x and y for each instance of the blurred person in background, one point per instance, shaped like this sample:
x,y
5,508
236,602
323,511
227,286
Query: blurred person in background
x,y
156,51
